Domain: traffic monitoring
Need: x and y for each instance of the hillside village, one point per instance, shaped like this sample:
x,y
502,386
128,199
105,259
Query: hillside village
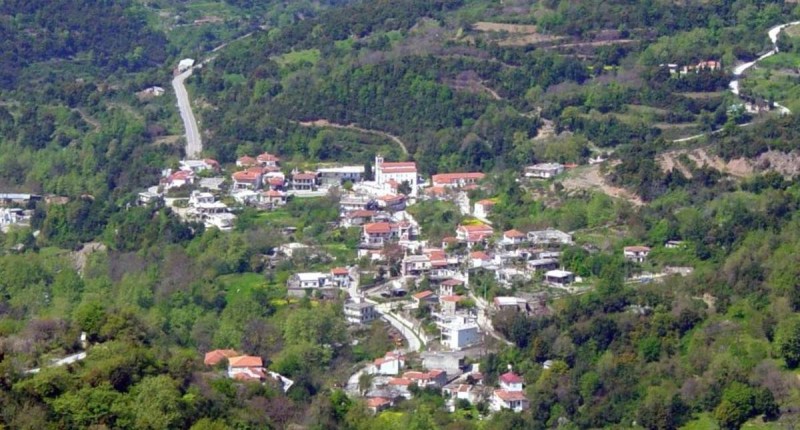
x,y
429,291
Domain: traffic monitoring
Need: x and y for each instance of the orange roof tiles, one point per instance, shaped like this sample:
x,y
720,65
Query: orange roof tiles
x,y
212,358
245,361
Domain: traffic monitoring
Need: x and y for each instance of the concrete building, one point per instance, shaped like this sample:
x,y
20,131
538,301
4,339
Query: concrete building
x,y
458,331
544,170
549,237
389,175
636,254
559,277
360,312
329,176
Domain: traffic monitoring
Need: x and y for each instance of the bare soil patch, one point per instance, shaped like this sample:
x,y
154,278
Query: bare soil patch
x,y
590,178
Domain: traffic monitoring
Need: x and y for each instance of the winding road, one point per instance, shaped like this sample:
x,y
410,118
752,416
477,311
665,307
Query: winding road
x,y
739,70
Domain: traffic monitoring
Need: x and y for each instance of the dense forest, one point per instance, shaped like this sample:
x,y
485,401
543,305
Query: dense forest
x,y
719,348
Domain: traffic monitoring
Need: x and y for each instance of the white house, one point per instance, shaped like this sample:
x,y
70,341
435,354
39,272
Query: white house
x,y
415,265
389,175
198,166
247,180
267,160
559,277
513,237
483,208
636,253
549,237
339,175
340,277
510,395
459,332
308,280
544,170
360,312
390,364
473,233
456,180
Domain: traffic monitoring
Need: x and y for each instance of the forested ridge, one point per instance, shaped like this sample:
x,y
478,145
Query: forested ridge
x,y
717,348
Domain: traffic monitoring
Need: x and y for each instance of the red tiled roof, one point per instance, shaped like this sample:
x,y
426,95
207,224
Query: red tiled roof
x,y
476,228
637,249
455,299
514,233
245,361
304,176
340,271
510,396
450,178
400,381
452,282
510,378
423,295
360,213
485,202
479,255
378,228
246,176
435,190
212,358
276,181
399,167
377,402
390,198
211,162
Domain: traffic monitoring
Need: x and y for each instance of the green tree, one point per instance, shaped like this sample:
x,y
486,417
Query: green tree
x,y
787,341
156,403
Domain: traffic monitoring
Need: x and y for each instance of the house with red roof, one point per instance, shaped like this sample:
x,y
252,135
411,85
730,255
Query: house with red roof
x,y
306,181
636,254
479,259
178,179
448,286
483,208
378,404
390,364
513,237
246,161
473,233
340,277
378,233
247,180
357,217
212,358
510,395
426,296
456,180
513,400
273,198
432,378
246,368
392,202
267,159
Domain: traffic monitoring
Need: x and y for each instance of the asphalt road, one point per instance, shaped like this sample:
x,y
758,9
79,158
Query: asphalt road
x,y
194,144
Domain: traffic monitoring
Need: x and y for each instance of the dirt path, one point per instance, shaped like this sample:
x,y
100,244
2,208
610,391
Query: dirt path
x,y
328,124
589,178
89,120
